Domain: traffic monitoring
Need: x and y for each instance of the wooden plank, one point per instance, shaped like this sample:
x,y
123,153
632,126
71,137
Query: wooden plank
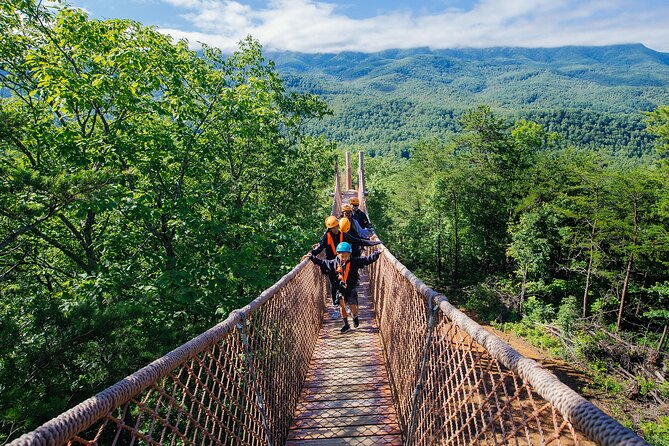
x,y
342,382
354,366
351,351
381,440
345,378
333,333
346,395
376,386
345,361
311,405
344,431
344,412
358,420
345,341
318,368
347,370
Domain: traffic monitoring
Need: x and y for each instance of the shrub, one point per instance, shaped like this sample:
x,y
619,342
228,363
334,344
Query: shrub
x,y
537,311
483,302
568,315
656,432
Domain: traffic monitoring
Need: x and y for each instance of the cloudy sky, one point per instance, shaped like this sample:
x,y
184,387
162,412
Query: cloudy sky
x,y
374,25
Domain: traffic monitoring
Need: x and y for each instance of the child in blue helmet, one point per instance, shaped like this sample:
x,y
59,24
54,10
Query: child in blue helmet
x,y
337,232
346,267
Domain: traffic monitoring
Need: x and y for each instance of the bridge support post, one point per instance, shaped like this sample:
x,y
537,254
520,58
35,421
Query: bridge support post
x,y
361,178
349,180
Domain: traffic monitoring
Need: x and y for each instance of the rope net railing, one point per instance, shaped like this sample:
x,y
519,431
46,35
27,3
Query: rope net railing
x,y
236,384
454,383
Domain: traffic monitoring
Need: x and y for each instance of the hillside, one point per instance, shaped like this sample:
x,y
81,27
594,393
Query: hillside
x,y
385,100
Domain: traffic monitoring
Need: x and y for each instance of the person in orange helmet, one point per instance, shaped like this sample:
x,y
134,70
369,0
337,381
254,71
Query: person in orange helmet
x,y
356,230
335,233
359,215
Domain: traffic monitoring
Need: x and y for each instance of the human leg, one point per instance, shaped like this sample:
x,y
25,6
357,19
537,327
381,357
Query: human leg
x,y
333,292
344,315
342,306
353,304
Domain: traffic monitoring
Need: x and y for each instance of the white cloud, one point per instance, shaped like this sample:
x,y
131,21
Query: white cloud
x,y
318,26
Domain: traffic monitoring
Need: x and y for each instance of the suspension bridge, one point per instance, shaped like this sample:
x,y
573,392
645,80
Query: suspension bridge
x,y
277,372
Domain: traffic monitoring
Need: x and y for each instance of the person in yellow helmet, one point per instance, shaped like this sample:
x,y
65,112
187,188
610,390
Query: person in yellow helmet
x,y
356,230
359,215
337,232
357,243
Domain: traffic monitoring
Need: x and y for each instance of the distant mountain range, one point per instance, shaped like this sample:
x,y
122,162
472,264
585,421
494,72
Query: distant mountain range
x,y
384,101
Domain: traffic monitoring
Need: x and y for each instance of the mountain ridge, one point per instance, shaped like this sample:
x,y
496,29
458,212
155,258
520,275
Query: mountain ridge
x,y
420,92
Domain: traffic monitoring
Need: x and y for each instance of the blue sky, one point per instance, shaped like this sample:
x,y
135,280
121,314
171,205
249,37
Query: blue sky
x,y
375,25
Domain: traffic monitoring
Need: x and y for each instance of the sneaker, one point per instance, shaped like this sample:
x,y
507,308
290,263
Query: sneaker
x,y
345,328
356,322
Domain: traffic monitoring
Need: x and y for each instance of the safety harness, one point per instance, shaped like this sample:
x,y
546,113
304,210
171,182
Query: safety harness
x,y
332,243
343,273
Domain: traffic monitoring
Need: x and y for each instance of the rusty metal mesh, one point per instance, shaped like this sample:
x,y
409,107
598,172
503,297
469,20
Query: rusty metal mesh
x,y
236,384
454,383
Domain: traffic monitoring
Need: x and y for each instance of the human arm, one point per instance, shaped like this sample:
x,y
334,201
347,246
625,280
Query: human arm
x,y
318,261
317,248
361,241
368,260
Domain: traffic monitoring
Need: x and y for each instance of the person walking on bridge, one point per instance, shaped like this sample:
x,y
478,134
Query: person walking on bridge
x,y
356,242
356,230
359,215
335,233
346,267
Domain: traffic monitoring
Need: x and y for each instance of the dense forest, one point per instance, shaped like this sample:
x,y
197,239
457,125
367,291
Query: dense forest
x,y
384,102
145,192
567,247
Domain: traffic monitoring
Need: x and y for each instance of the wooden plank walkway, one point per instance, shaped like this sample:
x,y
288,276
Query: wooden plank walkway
x,y
346,398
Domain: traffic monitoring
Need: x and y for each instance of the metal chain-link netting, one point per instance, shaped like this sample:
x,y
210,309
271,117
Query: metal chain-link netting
x,y
236,384
454,383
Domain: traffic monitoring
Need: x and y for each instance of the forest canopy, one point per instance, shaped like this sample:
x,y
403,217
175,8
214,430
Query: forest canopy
x,y
145,192
565,246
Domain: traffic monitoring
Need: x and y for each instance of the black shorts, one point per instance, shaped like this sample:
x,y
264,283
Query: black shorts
x,y
352,298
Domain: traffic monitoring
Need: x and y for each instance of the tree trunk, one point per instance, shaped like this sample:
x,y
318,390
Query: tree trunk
x,y
624,293
523,287
592,252
166,237
87,233
629,263
439,257
587,282
664,335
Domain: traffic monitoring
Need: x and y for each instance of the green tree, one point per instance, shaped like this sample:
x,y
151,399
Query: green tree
x,y
532,244
145,191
